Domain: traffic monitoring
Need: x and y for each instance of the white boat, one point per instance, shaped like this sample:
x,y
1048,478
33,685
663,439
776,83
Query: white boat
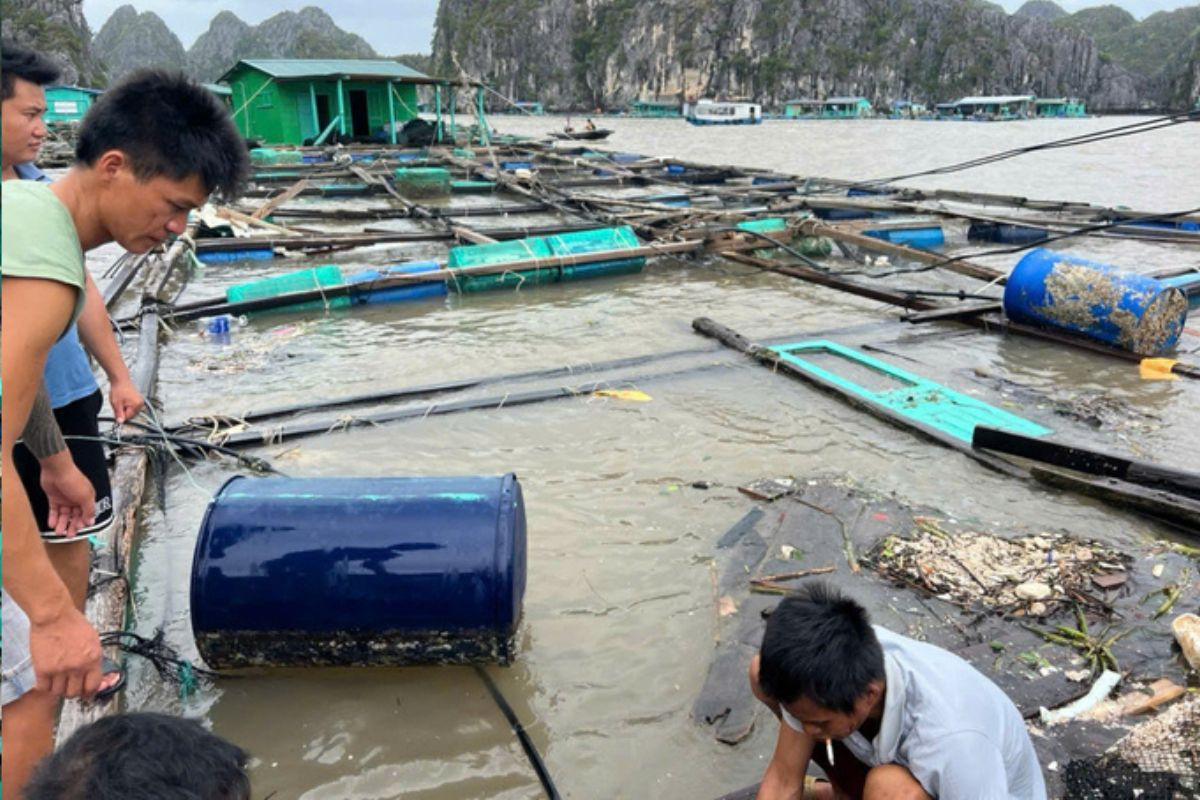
x,y
708,112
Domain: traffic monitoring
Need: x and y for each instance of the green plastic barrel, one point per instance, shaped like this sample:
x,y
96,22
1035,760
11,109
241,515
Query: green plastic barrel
x,y
597,241
477,255
299,281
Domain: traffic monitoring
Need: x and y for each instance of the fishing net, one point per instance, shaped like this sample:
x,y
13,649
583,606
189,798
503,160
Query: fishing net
x,y
1157,760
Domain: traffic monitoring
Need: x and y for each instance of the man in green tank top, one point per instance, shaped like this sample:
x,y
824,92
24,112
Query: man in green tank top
x,y
151,149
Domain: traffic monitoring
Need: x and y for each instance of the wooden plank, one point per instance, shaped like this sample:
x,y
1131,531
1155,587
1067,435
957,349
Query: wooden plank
x,y
824,279
1164,505
279,199
960,310
769,358
1092,462
813,227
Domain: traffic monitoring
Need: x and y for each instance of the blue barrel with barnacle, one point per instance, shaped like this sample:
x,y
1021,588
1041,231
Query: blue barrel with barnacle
x,y
360,571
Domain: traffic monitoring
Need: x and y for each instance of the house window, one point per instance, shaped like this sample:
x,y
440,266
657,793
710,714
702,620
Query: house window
x,y
266,99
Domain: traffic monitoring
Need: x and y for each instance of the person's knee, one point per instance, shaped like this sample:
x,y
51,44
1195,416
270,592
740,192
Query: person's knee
x,y
893,782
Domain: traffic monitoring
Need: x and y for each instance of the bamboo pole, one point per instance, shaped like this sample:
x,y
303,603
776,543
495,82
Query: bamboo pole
x,y
106,606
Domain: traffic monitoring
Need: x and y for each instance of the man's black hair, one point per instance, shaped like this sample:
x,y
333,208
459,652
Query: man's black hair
x,y
142,756
169,126
819,644
17,62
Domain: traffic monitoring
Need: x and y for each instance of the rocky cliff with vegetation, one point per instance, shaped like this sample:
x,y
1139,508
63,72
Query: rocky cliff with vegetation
x,y
308,33
129,41
58,29
588,53
1162,51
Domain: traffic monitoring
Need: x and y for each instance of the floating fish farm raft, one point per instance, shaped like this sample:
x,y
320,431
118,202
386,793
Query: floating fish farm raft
x,y
512,216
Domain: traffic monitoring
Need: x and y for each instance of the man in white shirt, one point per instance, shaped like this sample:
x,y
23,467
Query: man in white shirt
x,y
883,715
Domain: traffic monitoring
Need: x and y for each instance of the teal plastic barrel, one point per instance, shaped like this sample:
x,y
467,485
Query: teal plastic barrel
x,y
1124,309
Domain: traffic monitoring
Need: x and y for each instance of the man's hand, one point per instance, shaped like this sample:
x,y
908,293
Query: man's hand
x,y
70,494
66,654
126,400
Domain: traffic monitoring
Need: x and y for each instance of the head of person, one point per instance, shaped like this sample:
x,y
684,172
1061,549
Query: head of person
x,y
155,146
820,659
23,74
142,756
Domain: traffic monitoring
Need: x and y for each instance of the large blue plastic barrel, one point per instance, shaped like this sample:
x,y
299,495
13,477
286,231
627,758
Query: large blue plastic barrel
x,y
925,238
360,571
398,294
1125,309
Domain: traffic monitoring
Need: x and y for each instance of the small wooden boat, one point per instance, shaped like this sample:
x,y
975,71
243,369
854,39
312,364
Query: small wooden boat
x,y
593,135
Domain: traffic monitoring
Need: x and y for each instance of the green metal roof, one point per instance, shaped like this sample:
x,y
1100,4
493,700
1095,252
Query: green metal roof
x,y
218,89
65,87
328,67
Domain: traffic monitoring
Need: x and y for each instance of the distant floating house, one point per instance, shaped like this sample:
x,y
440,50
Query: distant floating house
x,y
1060,107
996,107
290,101
656,108
845,108
946,110
68,103
907,109
803,108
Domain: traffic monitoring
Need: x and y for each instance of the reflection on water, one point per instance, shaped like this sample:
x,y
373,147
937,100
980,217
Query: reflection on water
x,y
619,613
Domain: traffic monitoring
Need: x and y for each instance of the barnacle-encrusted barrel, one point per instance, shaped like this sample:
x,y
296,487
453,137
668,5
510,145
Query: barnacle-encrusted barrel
x,y
1130,311
360,571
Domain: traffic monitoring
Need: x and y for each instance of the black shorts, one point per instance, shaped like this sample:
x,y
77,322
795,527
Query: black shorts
x,y
76,419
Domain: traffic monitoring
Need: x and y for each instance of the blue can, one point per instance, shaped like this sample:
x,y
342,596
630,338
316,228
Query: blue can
x,y
360,571
219,324
1124,309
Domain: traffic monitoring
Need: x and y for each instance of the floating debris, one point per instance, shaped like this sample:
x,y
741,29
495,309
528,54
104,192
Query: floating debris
x,y
1033,575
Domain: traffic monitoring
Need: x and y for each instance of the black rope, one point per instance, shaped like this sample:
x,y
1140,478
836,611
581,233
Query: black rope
x,y
1070,141
531,751
979,254
155,436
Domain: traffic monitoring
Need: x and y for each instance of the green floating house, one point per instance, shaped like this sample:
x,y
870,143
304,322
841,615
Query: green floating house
x,y
290,101
1059,107
802,108
68,103
656,108
845,108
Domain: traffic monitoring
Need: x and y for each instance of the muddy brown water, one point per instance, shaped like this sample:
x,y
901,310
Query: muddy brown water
x,y
619,614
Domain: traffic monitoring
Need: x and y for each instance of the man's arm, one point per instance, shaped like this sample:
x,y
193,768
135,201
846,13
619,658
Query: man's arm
x,y
64,647
96,333
71,497
784,778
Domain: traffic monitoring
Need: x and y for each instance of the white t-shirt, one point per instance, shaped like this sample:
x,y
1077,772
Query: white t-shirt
x,y
958,734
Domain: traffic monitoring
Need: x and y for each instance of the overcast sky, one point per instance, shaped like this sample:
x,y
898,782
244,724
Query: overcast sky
x,y
403,26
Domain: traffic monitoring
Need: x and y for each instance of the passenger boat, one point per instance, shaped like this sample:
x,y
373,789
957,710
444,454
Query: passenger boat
x,y
708,112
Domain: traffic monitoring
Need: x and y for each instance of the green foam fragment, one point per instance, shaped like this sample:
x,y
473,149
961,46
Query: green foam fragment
x,y
763,225
472,186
